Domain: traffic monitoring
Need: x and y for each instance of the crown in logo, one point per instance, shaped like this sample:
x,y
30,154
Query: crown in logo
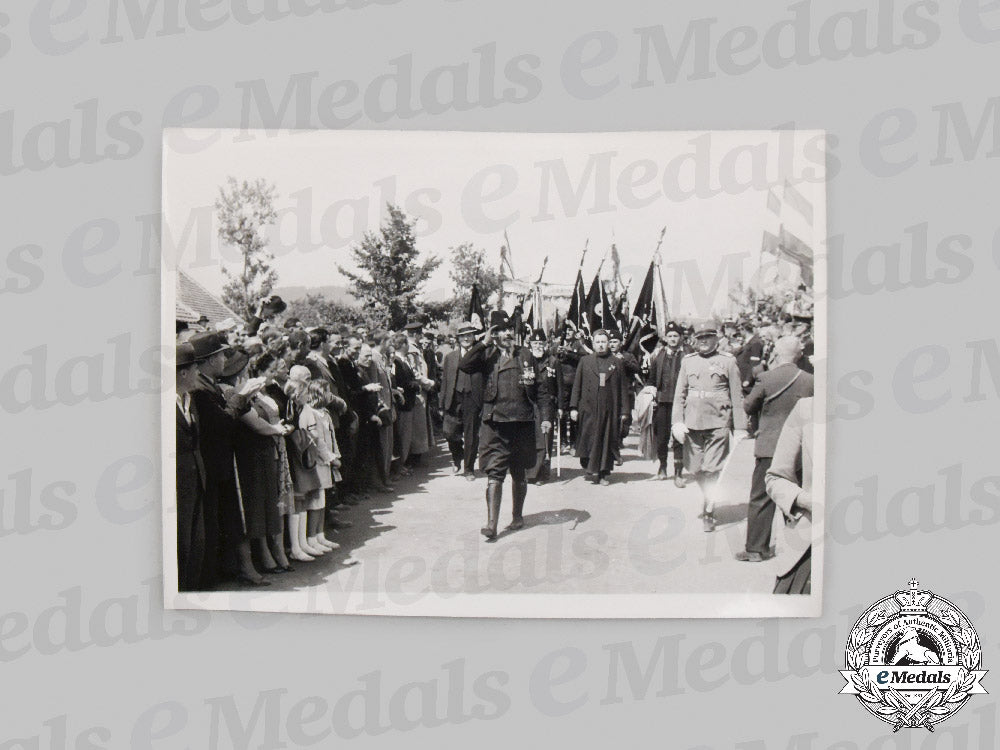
x,y
913,601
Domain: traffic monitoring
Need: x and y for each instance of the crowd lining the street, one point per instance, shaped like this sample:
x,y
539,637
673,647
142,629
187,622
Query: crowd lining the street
x,y
279,426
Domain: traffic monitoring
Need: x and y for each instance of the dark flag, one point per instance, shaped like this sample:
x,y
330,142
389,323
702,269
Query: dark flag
x,y
578,304
477,314
642,326
598,307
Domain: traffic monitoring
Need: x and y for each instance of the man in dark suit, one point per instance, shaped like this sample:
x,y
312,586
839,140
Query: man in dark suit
x,y
773,396
663,376
462,402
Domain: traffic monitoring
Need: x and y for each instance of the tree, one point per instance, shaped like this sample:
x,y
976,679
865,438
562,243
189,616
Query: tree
x,y
390,272
468,267
243,210
317,310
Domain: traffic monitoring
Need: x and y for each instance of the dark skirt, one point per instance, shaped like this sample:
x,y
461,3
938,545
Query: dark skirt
x,y
798,580
260,489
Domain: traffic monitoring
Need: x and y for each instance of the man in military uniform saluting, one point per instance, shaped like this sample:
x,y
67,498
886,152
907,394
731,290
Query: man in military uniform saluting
x,y
507,435
708,403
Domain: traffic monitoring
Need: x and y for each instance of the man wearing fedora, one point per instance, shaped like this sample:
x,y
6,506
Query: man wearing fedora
x,y
708,403
191,479
218,425
462,402
507,435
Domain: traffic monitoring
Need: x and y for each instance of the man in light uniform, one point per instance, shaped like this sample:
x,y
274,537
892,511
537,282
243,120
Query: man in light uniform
x,y
708,404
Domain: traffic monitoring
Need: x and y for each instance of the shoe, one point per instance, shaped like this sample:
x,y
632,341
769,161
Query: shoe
x,y
679,481
493,497
662,471
287,569
302,556
708,523
470,476
456,469
276,570
604,481
618,462
745,556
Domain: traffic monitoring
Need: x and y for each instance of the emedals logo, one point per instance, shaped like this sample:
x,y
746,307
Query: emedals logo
x,y
913,659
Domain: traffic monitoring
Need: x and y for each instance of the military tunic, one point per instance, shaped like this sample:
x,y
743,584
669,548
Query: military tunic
x,y
507,435
709,401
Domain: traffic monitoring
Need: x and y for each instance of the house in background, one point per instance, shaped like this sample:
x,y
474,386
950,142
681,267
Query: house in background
x,y
194,301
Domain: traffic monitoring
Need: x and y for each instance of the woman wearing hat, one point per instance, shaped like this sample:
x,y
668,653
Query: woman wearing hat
x,y
265,485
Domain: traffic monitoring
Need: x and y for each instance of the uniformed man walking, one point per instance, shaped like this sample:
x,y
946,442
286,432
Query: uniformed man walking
x,y
507,435
708,403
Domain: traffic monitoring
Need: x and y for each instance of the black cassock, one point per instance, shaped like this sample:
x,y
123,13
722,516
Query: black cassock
x,y
600,394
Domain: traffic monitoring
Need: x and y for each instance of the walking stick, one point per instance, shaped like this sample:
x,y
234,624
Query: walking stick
x,y
559,446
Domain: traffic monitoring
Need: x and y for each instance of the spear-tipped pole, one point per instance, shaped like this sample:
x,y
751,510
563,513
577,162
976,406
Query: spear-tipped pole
x,y
656,253
586,245
545,262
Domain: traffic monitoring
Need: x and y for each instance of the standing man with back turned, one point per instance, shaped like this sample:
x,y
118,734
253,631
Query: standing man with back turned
x,y
772,399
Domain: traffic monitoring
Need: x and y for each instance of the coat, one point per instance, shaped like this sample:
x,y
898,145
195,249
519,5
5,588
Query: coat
x,y
790,479
505,399
663,374
750,360
773,396
601,409
450,378
709,393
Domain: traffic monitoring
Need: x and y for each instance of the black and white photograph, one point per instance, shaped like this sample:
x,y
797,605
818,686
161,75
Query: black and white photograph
x,y
495,374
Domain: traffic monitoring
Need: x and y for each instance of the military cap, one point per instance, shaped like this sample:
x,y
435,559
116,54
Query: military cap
x,y
674,327
706,328
537,335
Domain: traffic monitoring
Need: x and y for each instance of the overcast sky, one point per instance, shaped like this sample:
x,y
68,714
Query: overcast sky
x,y
550,191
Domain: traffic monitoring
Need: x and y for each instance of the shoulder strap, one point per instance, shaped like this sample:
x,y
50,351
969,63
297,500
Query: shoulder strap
x,y
784,388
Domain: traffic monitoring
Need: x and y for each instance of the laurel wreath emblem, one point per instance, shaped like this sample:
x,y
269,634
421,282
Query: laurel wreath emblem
x,y
937,705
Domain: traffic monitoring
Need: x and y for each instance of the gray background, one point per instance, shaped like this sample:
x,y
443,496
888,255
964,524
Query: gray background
x,y
912,396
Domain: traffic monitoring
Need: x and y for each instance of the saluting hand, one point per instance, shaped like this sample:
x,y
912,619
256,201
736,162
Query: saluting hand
x,y
574,414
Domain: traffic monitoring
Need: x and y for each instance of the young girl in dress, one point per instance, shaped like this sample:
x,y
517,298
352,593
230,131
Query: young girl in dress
x,y
319,463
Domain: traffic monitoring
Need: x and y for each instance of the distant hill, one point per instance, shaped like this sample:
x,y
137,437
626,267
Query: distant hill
x,y
341,295
332,293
